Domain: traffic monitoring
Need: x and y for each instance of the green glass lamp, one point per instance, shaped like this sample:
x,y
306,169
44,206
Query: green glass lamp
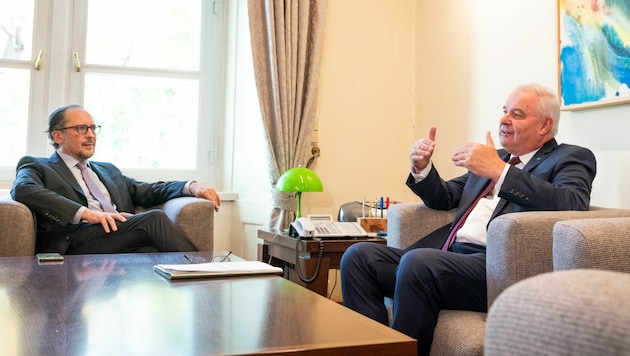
x,y
299,179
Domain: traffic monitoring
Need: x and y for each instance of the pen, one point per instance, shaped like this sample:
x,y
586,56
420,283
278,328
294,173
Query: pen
x,y
381,205
376,208
387,203
363,207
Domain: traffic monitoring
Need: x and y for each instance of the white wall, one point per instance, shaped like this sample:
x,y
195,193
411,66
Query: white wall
x,y
366,103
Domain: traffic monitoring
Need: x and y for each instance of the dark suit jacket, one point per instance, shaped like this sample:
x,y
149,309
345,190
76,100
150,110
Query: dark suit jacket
x,y
48,188
558,177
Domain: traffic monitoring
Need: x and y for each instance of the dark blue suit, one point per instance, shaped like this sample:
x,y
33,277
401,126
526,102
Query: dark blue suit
x,y
422,281
50,190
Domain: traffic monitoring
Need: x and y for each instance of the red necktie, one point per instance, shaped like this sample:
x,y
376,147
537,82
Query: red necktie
x,y
96,193
453,235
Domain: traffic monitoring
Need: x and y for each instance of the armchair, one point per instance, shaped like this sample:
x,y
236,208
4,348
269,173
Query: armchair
x,y
580,309
519,246
18,228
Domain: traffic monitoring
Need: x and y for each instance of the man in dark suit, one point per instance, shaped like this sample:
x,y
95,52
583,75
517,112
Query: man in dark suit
x,y
73,218
429,276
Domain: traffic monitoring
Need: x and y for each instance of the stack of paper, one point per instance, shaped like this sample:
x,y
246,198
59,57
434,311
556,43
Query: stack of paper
x,y
215,269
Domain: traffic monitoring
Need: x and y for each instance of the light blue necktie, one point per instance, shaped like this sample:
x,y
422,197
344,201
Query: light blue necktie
x,y
96,193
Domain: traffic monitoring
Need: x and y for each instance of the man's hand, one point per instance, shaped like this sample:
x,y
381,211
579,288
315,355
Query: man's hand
x,y
108,220
206,193
421,152
480,159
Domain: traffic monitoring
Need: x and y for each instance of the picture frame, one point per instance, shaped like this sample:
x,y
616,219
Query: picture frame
x,y
594,60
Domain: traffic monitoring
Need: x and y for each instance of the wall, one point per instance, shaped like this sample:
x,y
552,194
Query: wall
x,y
366,103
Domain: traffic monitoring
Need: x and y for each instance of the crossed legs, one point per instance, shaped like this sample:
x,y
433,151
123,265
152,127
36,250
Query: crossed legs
x,y
150,231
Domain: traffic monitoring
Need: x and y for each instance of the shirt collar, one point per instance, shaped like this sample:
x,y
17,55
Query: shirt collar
x,y
69,160
526,157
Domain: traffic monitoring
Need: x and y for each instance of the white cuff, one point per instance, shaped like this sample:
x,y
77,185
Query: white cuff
x,y
417,177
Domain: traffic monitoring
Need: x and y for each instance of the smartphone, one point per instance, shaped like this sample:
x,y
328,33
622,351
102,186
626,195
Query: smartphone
x,y
49,257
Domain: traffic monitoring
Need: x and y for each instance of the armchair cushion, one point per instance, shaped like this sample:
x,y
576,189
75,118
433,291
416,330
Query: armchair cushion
x,y
577,312
592,243
196,217
18,227
410,222
520,245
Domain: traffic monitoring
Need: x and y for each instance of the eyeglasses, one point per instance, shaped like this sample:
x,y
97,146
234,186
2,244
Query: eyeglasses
x,y
219,258
83,129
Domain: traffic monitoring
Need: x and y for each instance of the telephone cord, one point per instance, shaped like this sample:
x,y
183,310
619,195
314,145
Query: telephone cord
x,y
320,255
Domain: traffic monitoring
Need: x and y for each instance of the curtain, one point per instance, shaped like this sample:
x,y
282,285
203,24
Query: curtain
x,y
287,40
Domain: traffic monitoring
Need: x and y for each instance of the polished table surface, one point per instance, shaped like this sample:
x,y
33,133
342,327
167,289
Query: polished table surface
x,y
117,305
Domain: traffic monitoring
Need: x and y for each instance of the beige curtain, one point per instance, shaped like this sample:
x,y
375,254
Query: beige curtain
x,y
287,40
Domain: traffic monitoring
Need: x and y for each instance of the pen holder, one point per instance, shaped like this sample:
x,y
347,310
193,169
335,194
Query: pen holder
x,y
373,224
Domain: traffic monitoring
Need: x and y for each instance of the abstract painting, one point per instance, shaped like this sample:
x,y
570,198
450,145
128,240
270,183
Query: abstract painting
x,y
594,53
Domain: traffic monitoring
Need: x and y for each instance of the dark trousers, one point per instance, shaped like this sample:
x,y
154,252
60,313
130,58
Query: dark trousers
x,y
421,282
150,231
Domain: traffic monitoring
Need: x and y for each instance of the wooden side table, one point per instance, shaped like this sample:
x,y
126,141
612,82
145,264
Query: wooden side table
x,y
280,249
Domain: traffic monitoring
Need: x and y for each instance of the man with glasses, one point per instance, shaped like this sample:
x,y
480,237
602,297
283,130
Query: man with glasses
x,y
86,207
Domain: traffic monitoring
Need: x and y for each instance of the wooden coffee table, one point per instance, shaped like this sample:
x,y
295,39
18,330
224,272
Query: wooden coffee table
x,y
116,304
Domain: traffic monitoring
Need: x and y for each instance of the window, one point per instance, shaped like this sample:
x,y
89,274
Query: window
x,y
149,72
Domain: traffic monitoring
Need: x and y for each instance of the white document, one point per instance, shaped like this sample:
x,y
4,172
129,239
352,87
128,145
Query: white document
x,y
215,269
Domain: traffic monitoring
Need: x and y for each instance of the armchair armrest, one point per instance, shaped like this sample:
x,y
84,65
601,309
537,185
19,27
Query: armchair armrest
x,y
520,245
17,229
410,222
196,217
576,312
592,243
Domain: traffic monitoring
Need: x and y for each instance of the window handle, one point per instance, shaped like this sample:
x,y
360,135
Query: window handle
x,y
38,61
77,63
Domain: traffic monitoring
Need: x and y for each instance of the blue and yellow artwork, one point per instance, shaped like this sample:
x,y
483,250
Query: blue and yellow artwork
x,y
594,52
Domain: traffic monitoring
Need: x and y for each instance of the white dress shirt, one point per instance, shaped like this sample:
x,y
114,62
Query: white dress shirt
x,y
474,229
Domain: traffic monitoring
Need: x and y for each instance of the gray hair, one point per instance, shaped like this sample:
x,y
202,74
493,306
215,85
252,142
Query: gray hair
x,y
548,104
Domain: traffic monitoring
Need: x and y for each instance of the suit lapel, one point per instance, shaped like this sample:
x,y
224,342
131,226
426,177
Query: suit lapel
x,y
541,155
64,172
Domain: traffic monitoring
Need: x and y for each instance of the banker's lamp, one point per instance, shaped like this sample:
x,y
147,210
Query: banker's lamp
x,y
299,179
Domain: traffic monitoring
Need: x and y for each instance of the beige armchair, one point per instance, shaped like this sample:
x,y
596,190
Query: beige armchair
x,y
580,309
519,246
17,224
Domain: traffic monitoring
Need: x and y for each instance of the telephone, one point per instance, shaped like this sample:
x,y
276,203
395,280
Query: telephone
x,y
307,228
303,227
